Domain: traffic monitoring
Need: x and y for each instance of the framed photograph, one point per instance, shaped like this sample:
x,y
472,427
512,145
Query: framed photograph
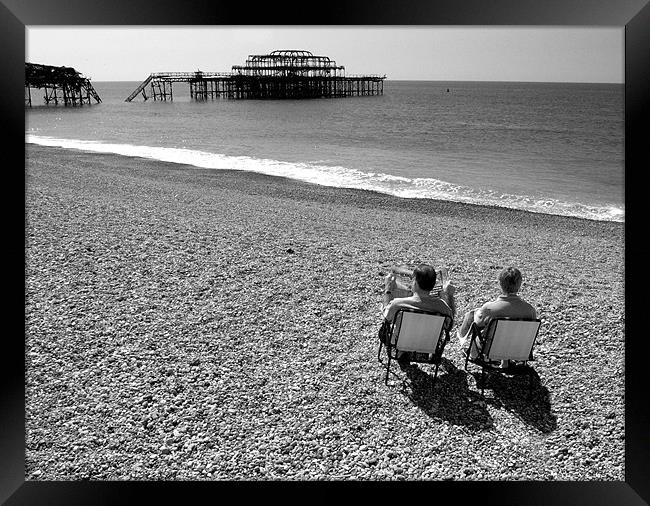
x,y
221,203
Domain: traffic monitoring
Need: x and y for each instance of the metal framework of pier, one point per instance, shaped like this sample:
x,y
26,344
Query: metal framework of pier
x,y
280,74
61,85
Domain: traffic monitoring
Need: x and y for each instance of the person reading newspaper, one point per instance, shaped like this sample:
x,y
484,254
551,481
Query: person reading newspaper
x,y
422,296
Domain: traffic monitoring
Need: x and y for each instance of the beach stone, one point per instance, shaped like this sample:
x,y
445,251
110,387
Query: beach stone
x,y
111,343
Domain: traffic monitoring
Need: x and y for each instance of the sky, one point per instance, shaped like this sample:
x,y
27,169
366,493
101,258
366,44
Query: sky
x,y
436,53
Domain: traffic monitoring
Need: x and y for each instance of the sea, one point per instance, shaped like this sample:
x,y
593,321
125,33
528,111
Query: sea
x,y
553,148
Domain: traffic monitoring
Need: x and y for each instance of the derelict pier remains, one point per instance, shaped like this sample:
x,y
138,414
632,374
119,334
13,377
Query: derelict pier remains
x,y
292,74
60,84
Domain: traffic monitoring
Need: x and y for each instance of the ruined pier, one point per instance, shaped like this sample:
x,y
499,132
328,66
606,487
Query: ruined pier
x,y
60,84
293,74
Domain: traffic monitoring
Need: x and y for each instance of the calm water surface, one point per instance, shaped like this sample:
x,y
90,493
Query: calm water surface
x,y
544,147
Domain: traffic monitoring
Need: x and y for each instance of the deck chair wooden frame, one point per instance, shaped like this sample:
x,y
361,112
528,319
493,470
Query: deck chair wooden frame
x,y
422,334
498,342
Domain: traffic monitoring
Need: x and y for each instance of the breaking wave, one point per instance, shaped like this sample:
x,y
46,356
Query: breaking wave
x,y
343,177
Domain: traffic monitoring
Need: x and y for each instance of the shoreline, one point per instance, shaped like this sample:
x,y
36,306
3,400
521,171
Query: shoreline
x,y
207,325
412,200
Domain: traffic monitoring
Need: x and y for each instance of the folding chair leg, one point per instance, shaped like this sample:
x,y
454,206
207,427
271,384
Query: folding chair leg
x,y
467,356
387,370
435,375
379,352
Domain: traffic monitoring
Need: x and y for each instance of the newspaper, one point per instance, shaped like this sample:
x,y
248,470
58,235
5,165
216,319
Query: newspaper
x,y
404,278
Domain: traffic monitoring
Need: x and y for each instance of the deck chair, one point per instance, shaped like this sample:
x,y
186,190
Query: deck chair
x,y
421,334
504,338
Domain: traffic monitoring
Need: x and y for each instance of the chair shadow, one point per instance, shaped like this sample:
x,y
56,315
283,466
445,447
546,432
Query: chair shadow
x,y
511,393
449,398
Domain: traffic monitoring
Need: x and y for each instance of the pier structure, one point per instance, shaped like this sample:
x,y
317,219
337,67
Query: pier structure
x,y
60,84
202,84
281,74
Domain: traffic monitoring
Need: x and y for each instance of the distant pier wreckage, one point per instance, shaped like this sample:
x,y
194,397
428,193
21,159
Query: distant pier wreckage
x,y
280,74
61,85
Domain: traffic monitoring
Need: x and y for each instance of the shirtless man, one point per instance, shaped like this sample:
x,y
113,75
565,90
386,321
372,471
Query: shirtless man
x,y
508,304
424,279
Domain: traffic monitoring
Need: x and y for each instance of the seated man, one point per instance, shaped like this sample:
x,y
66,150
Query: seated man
x,y
508,304
424,279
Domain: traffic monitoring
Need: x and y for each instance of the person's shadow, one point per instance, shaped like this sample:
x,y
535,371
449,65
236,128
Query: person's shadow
x,y
512,394
449,398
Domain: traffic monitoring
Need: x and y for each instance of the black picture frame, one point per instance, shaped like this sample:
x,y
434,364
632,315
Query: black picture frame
x,y
633,15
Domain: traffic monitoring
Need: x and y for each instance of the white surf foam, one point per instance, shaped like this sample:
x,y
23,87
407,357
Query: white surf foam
x,y
343,177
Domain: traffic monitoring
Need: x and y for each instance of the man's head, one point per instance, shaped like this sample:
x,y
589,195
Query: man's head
x,y
425,277
510,280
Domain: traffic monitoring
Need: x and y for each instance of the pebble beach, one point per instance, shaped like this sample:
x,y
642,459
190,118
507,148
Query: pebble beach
x,y
193,324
